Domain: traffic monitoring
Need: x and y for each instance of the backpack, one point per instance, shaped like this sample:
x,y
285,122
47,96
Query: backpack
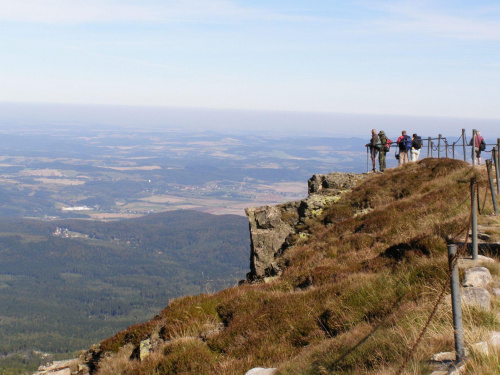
x,y
387,145
405,143
378,145
417,142
482,146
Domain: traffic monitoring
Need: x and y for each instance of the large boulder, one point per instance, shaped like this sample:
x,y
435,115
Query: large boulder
x,y
495,339
479,297
477,277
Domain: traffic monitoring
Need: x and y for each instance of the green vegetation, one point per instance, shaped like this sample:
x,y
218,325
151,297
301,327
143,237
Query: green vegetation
x,y
64,294
353,299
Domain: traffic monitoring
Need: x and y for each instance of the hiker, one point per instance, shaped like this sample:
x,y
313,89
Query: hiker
x,y
404,144
383,150
375,147
479,146
416,145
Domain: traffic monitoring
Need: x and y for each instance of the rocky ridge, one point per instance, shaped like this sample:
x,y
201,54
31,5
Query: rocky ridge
x,y
274,229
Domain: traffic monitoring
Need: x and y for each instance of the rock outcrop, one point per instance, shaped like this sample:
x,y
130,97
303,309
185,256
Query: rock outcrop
x,y
273,229
478,277
68,367
261,371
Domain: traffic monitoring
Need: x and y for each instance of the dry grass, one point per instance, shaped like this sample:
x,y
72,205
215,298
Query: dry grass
x,y
118,363
480,364
353,298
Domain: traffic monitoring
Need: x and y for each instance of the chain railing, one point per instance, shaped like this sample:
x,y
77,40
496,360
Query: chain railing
x,y
455,251
440,147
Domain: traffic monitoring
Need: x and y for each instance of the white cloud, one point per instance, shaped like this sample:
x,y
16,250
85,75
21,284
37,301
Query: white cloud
x,y
425,18
95,11
69,11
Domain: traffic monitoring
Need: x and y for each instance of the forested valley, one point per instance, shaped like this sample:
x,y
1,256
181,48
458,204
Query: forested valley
x,y
64,292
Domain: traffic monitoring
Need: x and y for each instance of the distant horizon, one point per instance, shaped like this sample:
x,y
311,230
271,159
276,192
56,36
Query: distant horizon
x,y
405,58
235,121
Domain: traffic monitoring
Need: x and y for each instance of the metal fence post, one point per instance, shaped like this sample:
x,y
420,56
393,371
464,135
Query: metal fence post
x,y
446,148
439,146
473,143
429,146
463,143
473,195
456,303
496,151
453,150
432,146
492,187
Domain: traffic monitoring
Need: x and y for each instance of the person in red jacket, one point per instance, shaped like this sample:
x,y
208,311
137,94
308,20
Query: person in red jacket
x,y
403,142
479,146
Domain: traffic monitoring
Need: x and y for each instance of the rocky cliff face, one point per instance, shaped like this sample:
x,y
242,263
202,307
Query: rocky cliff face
x,y
274,229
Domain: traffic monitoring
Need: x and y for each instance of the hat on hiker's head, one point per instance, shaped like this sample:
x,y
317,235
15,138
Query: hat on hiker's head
x,y
381,132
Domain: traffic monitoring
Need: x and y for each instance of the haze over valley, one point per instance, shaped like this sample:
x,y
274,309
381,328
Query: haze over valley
x,y
101,226
113,174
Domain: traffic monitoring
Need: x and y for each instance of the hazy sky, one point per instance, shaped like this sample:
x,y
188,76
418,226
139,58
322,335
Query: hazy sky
x,y
419,58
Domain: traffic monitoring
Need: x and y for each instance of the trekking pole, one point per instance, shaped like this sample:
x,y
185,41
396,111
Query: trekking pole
x,y
463,143
367,159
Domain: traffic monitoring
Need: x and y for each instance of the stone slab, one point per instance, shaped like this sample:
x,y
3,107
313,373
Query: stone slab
x,y
479,297
261,371
478,277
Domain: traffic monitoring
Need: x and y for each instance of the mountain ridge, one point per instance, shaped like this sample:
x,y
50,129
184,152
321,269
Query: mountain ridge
x,y
347,294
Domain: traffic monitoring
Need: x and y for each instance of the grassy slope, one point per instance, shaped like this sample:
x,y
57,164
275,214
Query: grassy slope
x,y
353,298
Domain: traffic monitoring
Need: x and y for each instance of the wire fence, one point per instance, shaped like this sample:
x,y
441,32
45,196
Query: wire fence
x,y
452,263
469,236
462,148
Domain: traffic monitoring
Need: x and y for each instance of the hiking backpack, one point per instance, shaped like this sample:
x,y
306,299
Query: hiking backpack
x,y
405,143
417,142
482,145
387,145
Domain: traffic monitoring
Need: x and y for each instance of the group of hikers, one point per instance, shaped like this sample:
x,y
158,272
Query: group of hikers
x,y
408,148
